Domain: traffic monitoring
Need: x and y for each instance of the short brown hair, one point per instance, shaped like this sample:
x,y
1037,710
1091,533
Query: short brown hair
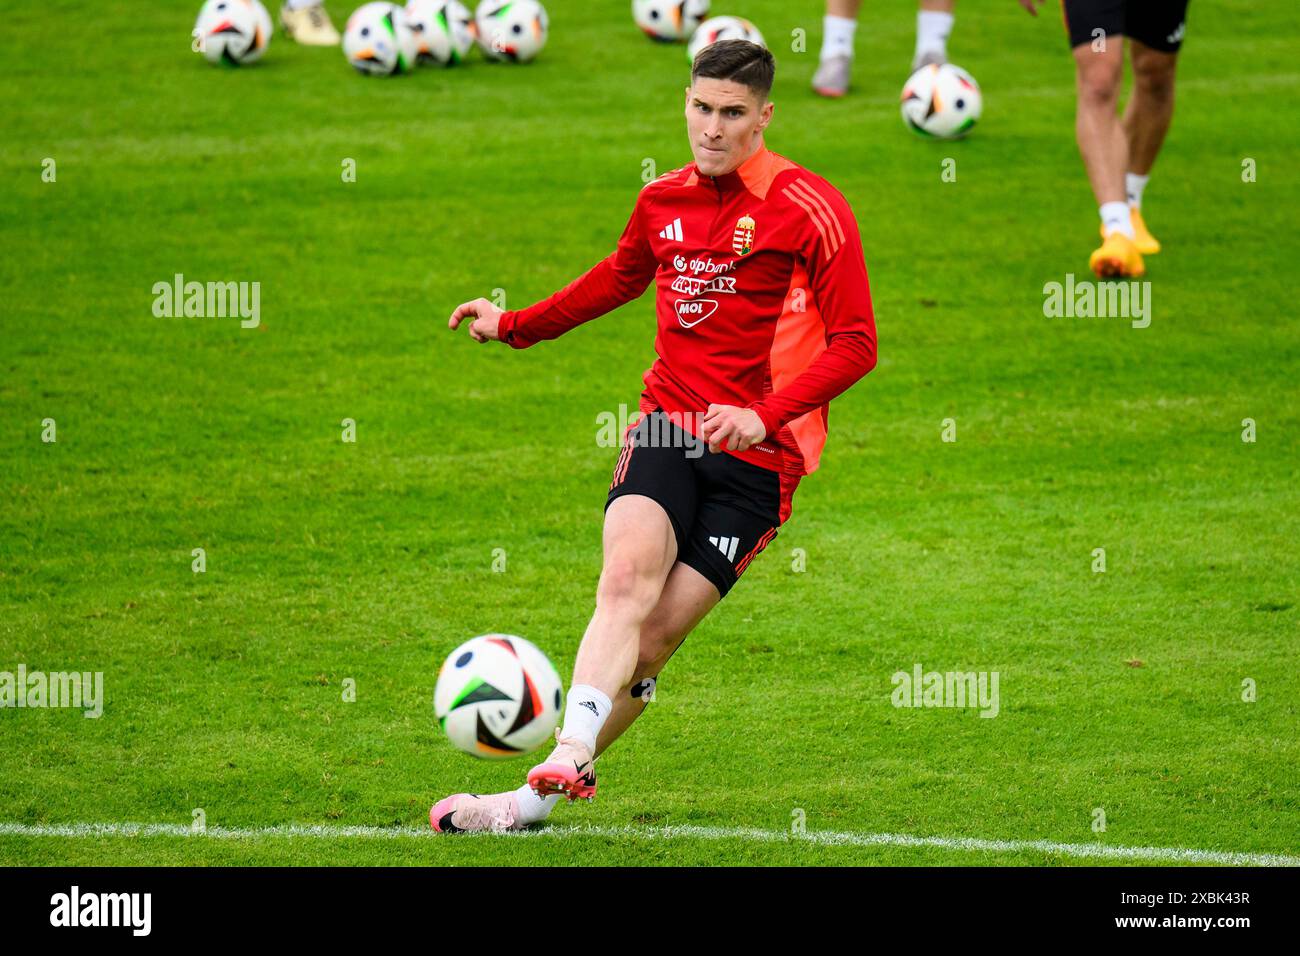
x,y
740,61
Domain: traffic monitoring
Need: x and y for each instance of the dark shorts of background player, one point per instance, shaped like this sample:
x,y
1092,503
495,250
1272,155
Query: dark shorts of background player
x,y
1155,23
724,510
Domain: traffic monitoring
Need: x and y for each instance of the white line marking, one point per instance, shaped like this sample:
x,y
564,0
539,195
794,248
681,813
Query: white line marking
x,y
816,837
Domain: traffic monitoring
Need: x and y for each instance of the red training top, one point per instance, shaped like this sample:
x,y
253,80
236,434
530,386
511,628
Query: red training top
x,y
761,297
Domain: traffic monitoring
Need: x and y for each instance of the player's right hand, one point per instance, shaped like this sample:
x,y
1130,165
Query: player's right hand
x,y
487,318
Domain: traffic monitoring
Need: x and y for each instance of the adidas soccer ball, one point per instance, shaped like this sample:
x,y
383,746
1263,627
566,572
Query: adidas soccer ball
x,y
943,102
669,20
498,696
444,30
232,31
379,41
722,28
513,30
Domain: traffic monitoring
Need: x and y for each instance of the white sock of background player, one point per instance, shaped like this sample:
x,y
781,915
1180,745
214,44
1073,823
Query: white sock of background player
x,y
932,30
1133,186
837,37
1115,218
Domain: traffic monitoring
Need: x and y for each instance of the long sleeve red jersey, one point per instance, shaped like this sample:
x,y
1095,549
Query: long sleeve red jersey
x,y
761,297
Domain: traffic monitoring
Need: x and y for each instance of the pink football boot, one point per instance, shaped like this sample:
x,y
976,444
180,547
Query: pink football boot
x,y
468,812
570,770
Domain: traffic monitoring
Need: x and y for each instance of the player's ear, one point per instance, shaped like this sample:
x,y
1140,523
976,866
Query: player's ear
x,y
765,114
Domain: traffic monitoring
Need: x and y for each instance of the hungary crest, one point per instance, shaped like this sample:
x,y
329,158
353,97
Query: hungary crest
x,y
742,240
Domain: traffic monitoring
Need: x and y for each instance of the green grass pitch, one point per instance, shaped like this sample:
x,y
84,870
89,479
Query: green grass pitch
x,y
327,561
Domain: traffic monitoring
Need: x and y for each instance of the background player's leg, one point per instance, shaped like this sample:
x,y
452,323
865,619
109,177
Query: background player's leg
x,y
1151,106
934,20
1146,120
1104,148
307,22
836,58
686,598
1097,125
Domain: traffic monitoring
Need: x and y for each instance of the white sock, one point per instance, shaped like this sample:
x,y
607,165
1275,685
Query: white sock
x,y
1115,218
1133,185
585,713
837,37
299,4
533,808
932,29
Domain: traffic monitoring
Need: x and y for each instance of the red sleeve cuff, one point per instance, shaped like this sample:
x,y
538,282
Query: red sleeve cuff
x,y
506,331
770,421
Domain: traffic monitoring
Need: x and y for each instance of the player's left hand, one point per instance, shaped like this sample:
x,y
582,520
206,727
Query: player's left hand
x,y
737,428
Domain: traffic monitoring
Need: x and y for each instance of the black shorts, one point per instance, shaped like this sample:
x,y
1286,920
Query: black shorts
x,y
724,510
1157,23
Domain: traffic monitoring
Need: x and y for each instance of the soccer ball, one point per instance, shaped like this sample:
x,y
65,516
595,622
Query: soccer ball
x,y
941,101
378,40
722,28
669,20
513,30
444,30
498,696
232,31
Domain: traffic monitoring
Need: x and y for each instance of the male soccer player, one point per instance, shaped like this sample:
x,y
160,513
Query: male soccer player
x,y
1119,154
764,316
934,20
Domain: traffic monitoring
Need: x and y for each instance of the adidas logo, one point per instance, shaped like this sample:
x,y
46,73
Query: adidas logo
x,y
672,231
590,705
726,545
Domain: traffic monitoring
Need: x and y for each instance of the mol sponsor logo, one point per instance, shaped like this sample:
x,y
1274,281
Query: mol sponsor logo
x,y
691,312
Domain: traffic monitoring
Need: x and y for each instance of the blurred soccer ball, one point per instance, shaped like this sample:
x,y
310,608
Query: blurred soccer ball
x,y
943,102
444,30
378,40
722,28
669,20
232,31
498,696
513,30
